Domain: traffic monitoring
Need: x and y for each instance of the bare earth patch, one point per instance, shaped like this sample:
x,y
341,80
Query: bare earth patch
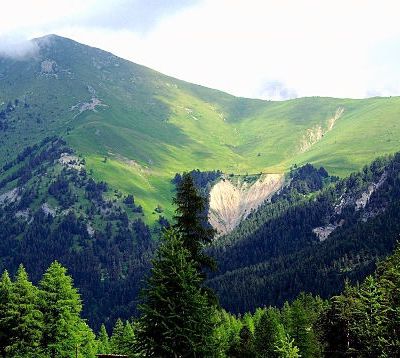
x,y
231,203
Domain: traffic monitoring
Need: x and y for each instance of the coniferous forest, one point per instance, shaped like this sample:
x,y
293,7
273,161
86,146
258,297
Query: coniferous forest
x,y
179,316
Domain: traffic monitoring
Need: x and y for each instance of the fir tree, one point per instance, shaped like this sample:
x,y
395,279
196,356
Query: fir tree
x,y
61,306
24,318
266,334
191,222
117,334
5,322
176,318
246,348
103,341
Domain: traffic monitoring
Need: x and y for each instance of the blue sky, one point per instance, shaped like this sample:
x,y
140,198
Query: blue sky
x,y
254,48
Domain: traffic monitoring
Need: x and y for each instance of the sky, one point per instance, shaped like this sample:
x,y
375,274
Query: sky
x,y
265,49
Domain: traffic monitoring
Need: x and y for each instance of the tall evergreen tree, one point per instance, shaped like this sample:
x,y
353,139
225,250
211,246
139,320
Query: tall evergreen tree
x,y
191,221
176,318
266,334
388,276
103,341
61,306
369,322
5,323
24,318
117,337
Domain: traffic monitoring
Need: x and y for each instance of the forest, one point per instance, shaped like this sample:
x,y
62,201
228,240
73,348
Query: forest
x,y
180,317
57,211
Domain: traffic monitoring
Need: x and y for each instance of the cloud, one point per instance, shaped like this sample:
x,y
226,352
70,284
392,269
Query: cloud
x,y
304,48
276,90
17,48
135,15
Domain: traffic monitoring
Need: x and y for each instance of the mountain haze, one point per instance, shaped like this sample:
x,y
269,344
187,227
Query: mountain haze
x,y
136,127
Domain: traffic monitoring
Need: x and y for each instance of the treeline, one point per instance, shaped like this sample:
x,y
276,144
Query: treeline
x,y
277,247
363,321
58,212
179,316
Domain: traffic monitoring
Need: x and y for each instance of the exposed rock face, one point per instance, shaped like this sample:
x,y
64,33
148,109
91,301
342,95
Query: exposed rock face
x,y
10,196
358,203
323,232
230,203
315,134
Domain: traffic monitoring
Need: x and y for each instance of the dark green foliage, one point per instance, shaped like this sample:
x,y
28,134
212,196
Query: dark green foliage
x,y
44,321
61,306
364,320
103,341
107,265
23,321
5,322
245,347
176,318
191,221
201,180
277,248
266,334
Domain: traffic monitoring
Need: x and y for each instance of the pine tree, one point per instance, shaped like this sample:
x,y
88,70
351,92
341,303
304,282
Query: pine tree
x,y
369,318
246,348
117,337
86,345
191,222
266,334
336,323
128,340
24,318
61,306
388,276
5,323
103,341
176,318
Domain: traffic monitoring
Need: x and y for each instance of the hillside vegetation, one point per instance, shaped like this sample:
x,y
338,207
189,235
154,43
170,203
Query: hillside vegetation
x,y
136,128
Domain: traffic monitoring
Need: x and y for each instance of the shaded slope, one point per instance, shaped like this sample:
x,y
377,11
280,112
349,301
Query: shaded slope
x,y
137,127
277,252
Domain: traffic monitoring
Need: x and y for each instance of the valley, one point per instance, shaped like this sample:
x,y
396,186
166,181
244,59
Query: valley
x,y
303,193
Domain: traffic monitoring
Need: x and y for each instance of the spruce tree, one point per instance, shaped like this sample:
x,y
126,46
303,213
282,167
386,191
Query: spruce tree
x,y
117,337
5,322
103,341
266,334
128,340
176,318
246,348
191,222
388,276
61,306
24,318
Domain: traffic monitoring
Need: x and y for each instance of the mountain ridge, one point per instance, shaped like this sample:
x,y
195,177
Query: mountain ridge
x,y
136,127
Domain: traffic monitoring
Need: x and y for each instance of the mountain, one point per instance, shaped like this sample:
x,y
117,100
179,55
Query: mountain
x,y
136,128
311,236
92,146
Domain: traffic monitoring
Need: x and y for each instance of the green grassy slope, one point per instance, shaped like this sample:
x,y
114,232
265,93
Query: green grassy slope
x,y
152,126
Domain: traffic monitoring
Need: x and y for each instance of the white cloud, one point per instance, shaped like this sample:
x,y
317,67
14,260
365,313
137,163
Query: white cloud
x,y
246,47
17,47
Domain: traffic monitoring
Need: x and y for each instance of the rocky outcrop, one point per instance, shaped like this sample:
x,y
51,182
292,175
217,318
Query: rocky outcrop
x,y
315,134
231,201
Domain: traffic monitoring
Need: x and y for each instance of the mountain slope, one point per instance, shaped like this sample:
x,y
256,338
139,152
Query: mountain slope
x,y
310,240
136,128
